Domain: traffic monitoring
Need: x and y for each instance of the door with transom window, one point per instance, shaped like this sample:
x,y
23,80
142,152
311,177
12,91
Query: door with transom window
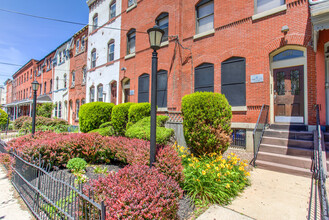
x,y
289,94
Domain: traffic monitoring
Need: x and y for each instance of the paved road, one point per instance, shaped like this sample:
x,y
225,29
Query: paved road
x,y
11,208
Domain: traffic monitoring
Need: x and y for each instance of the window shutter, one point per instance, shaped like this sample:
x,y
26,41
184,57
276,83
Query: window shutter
x,y
143,88
162,89
204,78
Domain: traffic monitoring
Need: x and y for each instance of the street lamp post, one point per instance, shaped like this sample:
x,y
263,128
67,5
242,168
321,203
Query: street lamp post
x,y
35,86
155,37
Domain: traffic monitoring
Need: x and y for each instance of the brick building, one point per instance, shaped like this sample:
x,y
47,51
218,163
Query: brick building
x,y
254,52
77,78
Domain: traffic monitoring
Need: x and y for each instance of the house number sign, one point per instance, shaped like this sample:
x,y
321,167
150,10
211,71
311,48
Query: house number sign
x,y
257,78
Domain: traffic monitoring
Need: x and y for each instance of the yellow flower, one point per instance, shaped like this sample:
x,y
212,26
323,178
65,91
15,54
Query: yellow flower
x,y
183,155
247,174
228,157
241,168
191,164
217,168
204,172
198,180
207,165
218,174
227,186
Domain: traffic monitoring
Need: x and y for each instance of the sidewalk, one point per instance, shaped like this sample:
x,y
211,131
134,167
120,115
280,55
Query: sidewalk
x,y
11,208
272,195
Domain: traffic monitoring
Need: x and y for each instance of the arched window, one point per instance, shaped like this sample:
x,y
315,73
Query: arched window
x,y
204,16
73,79
77,108
112,9
95,22
163,22
65,80
162,89
204,78
59,110
40,88
83,101
56,109
113,87
233,80
51,85
93,58
126,90
131,39
45,88
84,74
143,87
100,93
92,94
288,54
110,49
57,82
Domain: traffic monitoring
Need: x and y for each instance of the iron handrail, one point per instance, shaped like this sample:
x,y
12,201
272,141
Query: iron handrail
x,y
261,124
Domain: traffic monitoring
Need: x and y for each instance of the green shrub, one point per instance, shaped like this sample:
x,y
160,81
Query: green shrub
x,y
18,123
3,118
120,117
142,130
106,124
107,131
76,164
207,122
92,115
137,112
213,179
45,109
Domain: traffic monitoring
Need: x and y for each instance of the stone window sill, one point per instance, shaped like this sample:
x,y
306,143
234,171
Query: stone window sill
x,y
269,12
203,34
131,7
130,56
239,109
165,43
164,109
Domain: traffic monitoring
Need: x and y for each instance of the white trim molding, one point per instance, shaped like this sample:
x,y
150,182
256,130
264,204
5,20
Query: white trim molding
x,y
269,12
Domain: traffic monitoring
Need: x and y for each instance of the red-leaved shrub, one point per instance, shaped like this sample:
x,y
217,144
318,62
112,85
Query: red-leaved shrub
x,y
137,192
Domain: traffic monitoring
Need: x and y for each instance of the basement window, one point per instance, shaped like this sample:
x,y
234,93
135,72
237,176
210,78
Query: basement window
x,y
239,138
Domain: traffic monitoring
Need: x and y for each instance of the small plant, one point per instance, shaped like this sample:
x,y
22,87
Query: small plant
x,y
76,165
100,170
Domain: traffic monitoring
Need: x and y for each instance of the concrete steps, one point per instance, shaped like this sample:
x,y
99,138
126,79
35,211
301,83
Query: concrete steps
x,y
287,148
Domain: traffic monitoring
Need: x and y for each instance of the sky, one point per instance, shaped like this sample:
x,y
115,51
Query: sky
x,y
23,38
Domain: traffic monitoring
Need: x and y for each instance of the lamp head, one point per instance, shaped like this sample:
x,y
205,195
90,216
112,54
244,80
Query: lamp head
x,y
155,37
35,85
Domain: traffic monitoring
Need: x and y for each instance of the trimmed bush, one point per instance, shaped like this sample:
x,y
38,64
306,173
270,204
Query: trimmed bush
x,y
142,130
3,118
45,109
106,124
207,122
120,117
105,131
137,192
18,123
137,112
92,115
76,164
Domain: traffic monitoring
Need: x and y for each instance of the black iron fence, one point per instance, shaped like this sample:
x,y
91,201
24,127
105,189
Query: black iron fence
x,y
51,193
239,138
261,124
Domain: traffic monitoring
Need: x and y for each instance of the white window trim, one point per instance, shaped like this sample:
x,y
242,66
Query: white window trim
x,y
203,34
130,56
269,12
132,7
239,108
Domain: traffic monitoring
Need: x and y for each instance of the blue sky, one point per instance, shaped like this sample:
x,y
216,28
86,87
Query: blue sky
x,y
23,38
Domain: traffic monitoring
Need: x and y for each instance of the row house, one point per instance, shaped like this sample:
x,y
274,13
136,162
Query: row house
x,y
78,74
103,59
254,51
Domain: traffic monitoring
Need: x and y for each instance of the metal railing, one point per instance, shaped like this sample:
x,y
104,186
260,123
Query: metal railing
x,y
259,129
52,194
319,173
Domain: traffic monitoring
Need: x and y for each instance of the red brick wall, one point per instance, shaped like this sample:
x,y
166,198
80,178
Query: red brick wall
x,y
46,76
77,62
236,34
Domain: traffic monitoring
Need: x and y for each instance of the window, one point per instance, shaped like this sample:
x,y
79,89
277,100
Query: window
x,y
126,90
288,54
131,2
131,38
40,88
239,138
95,22
93,58
162,89
57,82
77,45
163,22
100,93
65,81
51,85
143,87
56,110
264,5
113,87
113,10
83,39
92,94
83,101
77,108
30,91
60,57
204,78
73,79
234,80
60,110
204,16
84,74
45,88
111,50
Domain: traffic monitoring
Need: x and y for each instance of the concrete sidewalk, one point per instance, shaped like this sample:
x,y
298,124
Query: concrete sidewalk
x,y
11,208
272,195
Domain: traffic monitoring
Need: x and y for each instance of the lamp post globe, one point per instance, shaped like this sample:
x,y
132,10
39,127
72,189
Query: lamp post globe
x,y
155,37
35,86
